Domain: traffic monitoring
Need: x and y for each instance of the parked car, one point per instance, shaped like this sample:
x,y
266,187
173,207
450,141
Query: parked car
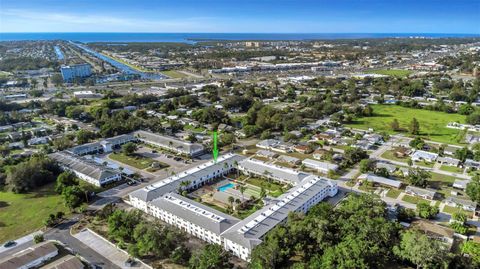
x,y
10,244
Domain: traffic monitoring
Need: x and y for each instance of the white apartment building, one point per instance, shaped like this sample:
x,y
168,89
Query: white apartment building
x,y
245,235
197,176
86,170
237,236
275,172
170,143
194,218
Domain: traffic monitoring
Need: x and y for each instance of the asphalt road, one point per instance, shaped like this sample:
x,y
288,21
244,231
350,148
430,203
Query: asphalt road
x,y
62,233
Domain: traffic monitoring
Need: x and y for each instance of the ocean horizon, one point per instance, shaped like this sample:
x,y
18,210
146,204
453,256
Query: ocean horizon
x,y
195,37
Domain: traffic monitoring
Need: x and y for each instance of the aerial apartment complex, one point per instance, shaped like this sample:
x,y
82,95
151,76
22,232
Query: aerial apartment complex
x,y
170,143
237,236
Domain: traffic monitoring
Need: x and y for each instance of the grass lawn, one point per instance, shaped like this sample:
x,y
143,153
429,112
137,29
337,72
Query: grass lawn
x,y
273,189
450,210
424,164
390,155
452,169
432,123
393,193
136,161
21,214
413,199
392,72
173,74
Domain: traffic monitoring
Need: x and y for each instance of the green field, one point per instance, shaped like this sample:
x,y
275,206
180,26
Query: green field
x,y
432,123
173,74
413,199
392,72
452,169
136,161
21,214
393,193
273,189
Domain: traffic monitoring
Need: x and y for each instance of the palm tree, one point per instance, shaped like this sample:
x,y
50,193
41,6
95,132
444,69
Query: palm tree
x,y
235,163
242,190
231,200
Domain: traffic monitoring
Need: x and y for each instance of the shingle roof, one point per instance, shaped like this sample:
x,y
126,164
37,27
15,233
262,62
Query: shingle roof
x,y
27,256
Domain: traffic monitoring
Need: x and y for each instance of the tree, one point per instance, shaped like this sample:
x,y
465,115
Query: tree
x,y
418,177
472,249
473,189
231,200
417,143
73,196
414,127
38,238
36,171
367,165
395,125
426,211
353,156
64,180
405,214
84,136
211,257
242,189
129,148
422,251
181,255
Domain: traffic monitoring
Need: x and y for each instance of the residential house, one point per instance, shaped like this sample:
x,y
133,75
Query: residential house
x,y
322,167
421,155
31,257
462,203
421,192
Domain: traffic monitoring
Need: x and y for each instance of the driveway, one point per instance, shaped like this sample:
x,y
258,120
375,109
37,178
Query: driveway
x,y
108,250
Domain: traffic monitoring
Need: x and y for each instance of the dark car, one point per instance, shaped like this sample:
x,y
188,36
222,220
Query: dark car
x,y
10,244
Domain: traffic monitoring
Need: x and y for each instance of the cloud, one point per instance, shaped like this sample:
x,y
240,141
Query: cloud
x,y
54,21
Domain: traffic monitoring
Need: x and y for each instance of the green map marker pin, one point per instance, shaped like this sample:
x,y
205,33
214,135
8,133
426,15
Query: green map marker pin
x,y
215,148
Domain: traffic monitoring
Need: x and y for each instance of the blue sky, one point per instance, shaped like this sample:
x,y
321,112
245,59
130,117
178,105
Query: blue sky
x,y
241,16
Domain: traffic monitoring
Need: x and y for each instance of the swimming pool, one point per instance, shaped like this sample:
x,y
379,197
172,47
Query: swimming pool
x,y
226,187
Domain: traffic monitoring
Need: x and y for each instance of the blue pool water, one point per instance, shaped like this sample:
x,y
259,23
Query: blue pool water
x,y
226,187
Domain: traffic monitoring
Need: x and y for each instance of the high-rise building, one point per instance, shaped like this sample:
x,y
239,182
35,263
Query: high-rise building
x,y
70,72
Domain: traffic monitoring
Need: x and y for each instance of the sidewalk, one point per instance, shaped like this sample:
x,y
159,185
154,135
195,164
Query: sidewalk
x,y
20,241
106,249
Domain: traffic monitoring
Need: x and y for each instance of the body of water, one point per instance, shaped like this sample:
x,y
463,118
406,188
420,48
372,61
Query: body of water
x,y
193,37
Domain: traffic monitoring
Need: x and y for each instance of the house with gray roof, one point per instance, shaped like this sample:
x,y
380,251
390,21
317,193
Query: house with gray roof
x,y
31,257
421,192
460,184
322,167
448,161
381,180
421,155
87,170
170,143
389,167
462,203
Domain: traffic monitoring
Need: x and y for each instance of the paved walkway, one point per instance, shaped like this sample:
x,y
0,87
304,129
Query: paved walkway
x,y
106,249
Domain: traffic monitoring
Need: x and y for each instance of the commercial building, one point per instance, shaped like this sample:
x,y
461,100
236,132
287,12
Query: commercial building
x,y
71,72
87,170
170,143
31,257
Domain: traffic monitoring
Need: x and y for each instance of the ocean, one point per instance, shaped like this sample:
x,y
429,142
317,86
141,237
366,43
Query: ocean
x,y
194,37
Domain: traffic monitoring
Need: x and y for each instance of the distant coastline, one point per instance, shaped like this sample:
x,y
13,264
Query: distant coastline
x,y
197,37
